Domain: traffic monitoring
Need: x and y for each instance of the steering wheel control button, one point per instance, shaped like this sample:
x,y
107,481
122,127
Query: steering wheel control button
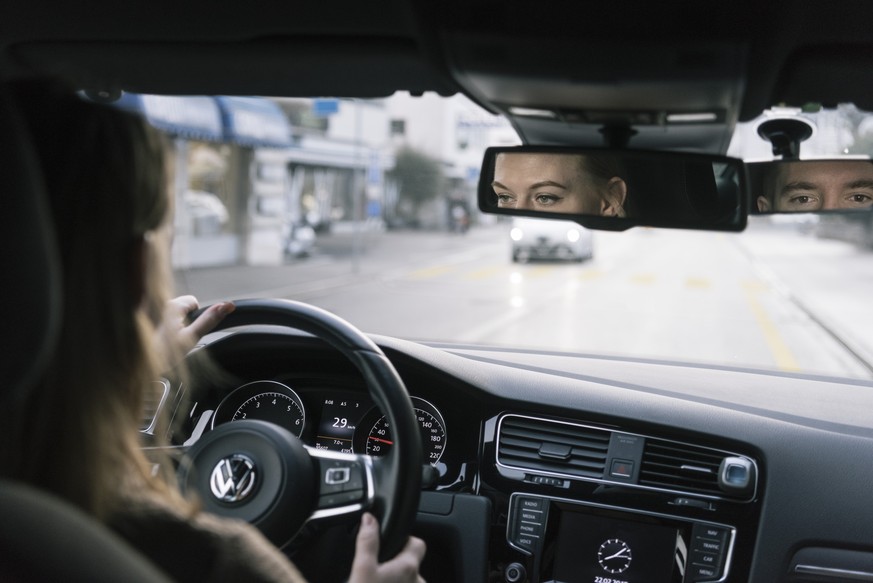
x,y
340,499
356,478
233,479
527,523
340,476
342,483
335,476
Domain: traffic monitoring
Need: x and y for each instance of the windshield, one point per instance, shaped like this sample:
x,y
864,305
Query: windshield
x,y
367,208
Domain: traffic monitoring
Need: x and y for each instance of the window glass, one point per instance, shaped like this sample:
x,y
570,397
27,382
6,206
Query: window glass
x,y
371,213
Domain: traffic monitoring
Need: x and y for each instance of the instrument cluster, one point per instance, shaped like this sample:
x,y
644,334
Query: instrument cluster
x,y
333,419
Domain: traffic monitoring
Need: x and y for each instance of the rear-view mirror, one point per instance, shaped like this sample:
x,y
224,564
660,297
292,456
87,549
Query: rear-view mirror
x,y
804,186
615,189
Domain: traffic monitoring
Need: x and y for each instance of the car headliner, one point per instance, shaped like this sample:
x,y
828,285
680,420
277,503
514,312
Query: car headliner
x,y
590,63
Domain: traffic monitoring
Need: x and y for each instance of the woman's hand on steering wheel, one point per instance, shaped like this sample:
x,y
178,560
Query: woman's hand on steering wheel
x,y
403,568
177,336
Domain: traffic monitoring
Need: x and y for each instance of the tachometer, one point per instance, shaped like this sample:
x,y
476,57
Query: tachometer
x,y
266,401
431,424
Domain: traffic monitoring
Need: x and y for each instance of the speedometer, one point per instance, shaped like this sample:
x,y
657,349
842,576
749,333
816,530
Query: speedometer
x,y
266,401
431,425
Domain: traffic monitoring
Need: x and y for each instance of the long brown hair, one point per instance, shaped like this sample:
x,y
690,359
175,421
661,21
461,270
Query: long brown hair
x,y
105,178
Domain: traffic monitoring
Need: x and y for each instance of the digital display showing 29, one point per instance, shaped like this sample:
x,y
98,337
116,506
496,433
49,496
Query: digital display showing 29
x,y
339,417
352,424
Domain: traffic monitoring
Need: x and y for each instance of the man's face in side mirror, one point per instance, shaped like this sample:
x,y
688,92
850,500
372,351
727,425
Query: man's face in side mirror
x,y
809,186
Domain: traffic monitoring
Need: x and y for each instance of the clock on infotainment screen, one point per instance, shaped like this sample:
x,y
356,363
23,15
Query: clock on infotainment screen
x,y
614,555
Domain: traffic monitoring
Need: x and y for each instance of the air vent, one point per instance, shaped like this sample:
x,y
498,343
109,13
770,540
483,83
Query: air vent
x,y
681,467
540,445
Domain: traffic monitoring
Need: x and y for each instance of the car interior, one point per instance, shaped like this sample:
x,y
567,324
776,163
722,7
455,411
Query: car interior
x,y
688,472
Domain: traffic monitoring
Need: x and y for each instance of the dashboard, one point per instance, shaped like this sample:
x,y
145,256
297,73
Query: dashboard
x,y
556,467
322,399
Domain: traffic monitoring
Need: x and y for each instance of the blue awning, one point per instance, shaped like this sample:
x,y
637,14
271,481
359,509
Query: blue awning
x,y
254,122
196,118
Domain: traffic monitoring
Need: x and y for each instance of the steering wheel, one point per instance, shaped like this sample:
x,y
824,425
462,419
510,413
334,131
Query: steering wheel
x,y
260,472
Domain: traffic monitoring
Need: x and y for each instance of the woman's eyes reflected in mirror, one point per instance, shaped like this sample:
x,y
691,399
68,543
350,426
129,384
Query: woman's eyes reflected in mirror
x,y
505,200
547,199
639,187
579,183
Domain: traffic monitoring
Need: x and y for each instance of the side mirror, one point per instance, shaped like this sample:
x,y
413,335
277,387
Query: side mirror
x,y
615,189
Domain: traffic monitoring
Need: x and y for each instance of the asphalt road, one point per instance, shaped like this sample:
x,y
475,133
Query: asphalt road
x,y
768,298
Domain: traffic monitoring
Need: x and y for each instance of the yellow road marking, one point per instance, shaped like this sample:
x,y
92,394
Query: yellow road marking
x,y
430,272
643,278
485,272
781,353
755,285
540,271
697,282
590,274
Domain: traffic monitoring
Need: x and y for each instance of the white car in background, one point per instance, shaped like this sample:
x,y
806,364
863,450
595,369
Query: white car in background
x,y
549,239
207,213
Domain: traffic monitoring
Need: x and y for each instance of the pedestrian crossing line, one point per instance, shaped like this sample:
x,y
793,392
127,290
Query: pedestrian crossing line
x,y
697,283
431,272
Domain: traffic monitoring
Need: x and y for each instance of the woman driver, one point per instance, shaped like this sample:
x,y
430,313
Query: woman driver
x,y
107,189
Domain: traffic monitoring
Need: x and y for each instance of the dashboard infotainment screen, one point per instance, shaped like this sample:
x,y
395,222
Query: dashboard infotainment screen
x,y
614,551
610,547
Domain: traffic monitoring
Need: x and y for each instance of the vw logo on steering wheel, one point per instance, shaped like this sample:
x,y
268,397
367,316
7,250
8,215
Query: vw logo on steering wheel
x,y
233,478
